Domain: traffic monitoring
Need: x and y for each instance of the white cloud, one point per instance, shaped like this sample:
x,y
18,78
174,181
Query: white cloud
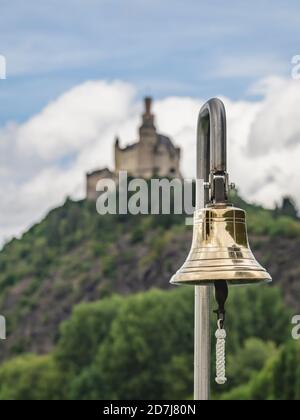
x,y
46,158
278,120
75,119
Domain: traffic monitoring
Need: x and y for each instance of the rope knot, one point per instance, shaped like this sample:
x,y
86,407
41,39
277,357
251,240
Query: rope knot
x,y
221,334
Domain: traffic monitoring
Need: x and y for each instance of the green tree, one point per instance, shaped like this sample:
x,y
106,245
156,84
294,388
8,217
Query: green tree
x,y
141,347
256,311
244,365
278,380
30,377
149,332
82,334
287,372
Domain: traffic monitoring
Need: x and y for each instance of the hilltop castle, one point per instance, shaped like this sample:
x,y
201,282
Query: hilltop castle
x,y
152,155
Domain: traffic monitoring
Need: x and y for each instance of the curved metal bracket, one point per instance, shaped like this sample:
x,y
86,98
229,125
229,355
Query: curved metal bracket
x,y
212,151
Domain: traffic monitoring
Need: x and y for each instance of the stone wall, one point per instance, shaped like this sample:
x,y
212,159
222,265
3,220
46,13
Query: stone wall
x,y
167,165
127,160
92,180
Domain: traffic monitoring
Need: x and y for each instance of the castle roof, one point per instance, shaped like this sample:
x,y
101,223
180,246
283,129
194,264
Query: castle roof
x,y
100,172
161,140
131,146
167,142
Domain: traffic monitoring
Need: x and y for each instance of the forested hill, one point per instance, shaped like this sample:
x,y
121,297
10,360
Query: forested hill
x,y
74,255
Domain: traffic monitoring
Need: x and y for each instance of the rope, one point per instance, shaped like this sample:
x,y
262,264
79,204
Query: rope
x,y
220,355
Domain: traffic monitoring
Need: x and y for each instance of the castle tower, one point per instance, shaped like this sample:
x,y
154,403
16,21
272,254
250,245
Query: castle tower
x,y
148,141
117,154
147,129
152,155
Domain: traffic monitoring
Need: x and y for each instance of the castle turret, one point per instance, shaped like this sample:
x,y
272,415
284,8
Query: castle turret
x,y
117,154
147,129
152,155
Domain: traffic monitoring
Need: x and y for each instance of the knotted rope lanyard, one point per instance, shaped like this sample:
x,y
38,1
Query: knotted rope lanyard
x,y
221,291
220,356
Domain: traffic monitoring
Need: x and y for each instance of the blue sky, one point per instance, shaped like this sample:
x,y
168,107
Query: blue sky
x,y
194,48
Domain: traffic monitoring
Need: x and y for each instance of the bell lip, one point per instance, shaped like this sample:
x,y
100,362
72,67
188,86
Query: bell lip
x,y
239,279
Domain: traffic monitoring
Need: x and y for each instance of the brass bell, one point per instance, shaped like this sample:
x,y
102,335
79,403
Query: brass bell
x,y
220,255
220,250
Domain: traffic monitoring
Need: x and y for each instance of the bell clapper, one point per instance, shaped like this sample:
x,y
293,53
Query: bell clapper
x,y
221,293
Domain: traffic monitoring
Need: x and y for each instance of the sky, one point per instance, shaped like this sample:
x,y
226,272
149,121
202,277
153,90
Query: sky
x,y
77,72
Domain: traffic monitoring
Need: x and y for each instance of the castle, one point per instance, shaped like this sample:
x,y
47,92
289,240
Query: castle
x,y
153,155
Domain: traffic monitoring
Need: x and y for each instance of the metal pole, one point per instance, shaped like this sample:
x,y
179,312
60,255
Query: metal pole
x,y
202,343
211,158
